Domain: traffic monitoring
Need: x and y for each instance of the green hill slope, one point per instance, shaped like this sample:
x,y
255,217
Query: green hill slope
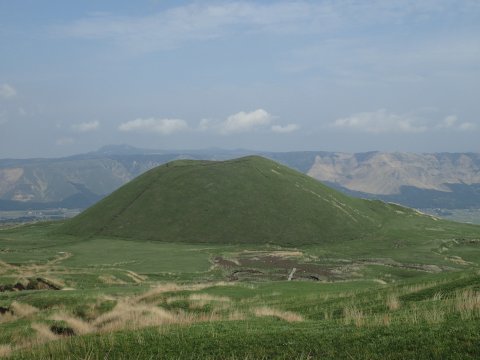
x,y
247,200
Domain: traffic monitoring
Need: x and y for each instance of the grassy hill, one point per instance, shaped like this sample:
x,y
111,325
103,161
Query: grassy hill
x,y
247,200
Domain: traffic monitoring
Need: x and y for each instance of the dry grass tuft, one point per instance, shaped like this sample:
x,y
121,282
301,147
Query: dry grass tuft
x,y
43,332
55,282
128,315
434,315
351,314
284,315
468,304
207,297
7,317
111,280
412,316
22,310
5,350
171,287
386,320
136,312
236,315
393,303
137,278
79,326
200,300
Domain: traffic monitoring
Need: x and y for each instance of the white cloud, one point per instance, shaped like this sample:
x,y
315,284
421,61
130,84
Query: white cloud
x,y
205,124
381,121
451,122
199,21
86,126
467,126
7,91
161,126
285,129
65,141
210,20
245,121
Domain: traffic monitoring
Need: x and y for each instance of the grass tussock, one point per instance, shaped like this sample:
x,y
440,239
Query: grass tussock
x,y
172,287
7,317
5,350
393,303
434,315
209,298
111,280
284,315
43,333
137,278
144,311
352,314
467,303
128,315
198,301
22,310
79,326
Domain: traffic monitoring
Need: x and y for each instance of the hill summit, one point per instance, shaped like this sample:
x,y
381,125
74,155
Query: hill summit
x,y
246,200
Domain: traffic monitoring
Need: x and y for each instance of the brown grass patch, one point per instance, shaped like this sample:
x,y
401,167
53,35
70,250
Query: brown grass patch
x,y
172,287
136,277
22,310
393,303
467,303
111,280
79,326
208,298
434,315
237,315
133,313
286,254
5,350
7,317
352,314
43,333
198,301
127,315
284,315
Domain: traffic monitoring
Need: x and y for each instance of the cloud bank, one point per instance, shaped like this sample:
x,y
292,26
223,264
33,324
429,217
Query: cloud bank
x,y
202,21
161,126
86,126
238,123
245,121
285,129
382,121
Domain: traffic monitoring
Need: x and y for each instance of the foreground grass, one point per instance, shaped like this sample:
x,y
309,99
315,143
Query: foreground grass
x,y
436,317
162,300
268,339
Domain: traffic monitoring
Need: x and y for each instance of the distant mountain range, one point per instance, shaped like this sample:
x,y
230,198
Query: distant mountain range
x,y
440,180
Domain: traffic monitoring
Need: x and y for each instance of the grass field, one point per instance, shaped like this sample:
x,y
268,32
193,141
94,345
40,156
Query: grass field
x,y
124,298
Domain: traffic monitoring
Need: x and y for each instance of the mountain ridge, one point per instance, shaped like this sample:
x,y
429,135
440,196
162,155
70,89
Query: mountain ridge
x,y
443,180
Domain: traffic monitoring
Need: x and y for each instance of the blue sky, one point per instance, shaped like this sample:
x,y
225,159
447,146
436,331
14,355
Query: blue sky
x,y
267,75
